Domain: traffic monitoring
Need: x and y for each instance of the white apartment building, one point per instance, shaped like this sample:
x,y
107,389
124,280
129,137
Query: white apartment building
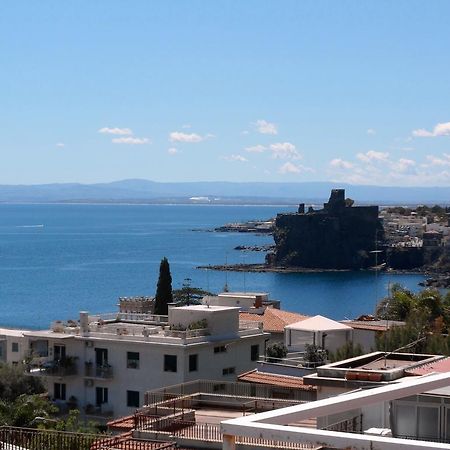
x,y
13,346
104,364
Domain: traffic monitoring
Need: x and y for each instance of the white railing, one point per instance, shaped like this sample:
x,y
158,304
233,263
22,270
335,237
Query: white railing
x,y
250,325
132,317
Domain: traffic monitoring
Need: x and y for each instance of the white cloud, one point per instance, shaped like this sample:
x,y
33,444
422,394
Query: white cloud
x,y
265,127
284,150
441,129
341,164
172,151
116,131
372,156
186,126
244,132
232,158
131,140
255,149
60,144
371,131
289,168
436,161
179,136
403,165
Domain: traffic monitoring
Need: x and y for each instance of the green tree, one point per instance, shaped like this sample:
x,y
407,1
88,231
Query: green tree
x,y
188,294
276,351
14,382
163,289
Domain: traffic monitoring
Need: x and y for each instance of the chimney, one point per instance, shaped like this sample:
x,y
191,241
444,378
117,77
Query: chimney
x,y
84,323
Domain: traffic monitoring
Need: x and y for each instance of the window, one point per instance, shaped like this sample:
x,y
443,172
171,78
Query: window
x,y
59,352
101,395
170,363
193,363
228,371
254,352
132,360
133,399
59,391
15,347
220,349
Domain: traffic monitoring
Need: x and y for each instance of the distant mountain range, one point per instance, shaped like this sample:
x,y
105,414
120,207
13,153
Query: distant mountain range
x,y
145,191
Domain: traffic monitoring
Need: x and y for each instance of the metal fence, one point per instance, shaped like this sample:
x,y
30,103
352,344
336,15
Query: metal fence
x,y
234,389
32,439
13,438
211,432
352,425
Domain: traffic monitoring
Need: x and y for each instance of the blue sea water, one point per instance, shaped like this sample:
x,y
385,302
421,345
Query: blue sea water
x,y
56,260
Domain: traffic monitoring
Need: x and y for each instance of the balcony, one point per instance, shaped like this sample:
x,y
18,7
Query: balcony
x,y
56,368
104,371
102,411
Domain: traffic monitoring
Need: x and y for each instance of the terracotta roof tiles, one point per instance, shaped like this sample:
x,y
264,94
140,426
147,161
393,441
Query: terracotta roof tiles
x,y
439,366
274,320
275,380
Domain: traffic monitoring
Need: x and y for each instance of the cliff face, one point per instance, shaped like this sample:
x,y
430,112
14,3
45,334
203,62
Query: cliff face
x,y
340,236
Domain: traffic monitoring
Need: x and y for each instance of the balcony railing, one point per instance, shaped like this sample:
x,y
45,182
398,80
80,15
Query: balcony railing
x,y
58,368
98,371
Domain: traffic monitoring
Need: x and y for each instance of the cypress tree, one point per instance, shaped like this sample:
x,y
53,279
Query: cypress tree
x,y
163,289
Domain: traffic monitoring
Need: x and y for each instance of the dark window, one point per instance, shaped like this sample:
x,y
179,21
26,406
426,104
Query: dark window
x,y
133,399
101,395
254,352
59,391
220,349
15,347
101,357
228,371
193,363
170,363
59,352
133,360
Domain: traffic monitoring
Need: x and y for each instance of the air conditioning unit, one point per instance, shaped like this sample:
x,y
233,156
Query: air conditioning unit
x,y
89,344
89,382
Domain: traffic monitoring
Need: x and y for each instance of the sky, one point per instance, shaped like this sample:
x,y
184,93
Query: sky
x,y
349,91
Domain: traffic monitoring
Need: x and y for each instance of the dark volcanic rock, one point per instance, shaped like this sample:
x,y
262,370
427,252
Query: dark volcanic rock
x,y
340,236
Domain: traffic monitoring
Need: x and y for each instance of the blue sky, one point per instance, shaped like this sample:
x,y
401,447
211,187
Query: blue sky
x,y
354,91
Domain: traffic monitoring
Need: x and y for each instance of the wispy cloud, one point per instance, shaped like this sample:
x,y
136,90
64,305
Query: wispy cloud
x,y
432,160
131,141
284,150
372,156
232,158
179,136
291,168
441,129
172,151
265,127
117,131
371,131
341,164
60,144
255,148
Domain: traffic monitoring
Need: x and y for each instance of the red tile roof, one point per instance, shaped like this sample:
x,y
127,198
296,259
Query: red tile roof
x,y
274,320
439,366
275,380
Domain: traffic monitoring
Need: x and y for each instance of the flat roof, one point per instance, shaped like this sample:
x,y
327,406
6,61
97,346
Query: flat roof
x,y
45,334
207,308
12,332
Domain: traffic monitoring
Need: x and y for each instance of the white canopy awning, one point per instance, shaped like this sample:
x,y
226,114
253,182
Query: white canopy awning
x,y
317,323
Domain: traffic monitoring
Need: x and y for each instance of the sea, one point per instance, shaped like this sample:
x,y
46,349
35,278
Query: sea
x,y
59,259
